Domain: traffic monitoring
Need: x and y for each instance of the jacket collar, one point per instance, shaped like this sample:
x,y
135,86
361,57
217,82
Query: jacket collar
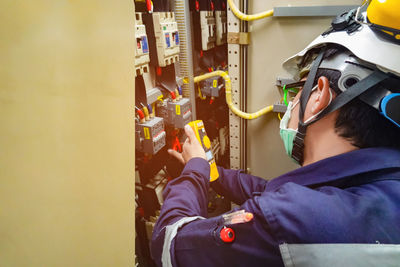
x,y
342,167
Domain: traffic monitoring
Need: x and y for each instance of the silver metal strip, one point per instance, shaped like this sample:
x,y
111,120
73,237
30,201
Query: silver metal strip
x,y
235,132
243,89
311,11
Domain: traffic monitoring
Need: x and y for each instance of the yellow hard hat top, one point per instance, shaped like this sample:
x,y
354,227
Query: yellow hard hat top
x,y
385,13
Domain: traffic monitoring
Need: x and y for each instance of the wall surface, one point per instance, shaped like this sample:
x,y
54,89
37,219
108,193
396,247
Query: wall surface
x,y
273,40
66,133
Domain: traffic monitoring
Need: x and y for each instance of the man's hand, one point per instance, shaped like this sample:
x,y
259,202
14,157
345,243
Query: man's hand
x,y
191,148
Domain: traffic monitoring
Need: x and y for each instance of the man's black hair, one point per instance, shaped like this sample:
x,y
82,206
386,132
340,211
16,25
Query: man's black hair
x,y
358,122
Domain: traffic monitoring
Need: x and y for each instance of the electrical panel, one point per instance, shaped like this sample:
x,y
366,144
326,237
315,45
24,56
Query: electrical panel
x,y
142,58
164,104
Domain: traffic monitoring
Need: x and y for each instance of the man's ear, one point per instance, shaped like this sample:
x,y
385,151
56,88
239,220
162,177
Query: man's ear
x,y
323,95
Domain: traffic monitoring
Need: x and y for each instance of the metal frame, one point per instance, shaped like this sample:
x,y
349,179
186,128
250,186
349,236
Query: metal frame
x,y
237,58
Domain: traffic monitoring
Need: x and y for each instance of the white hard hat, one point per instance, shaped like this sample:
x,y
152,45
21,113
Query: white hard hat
x,y
364,43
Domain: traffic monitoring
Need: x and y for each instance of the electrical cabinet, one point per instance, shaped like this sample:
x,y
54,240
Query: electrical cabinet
x,y
162,92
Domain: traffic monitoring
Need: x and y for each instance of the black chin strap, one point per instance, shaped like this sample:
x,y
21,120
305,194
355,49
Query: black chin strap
x,y
351,93
298,143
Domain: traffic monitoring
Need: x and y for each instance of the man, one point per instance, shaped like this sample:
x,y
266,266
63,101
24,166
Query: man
x,y
342,127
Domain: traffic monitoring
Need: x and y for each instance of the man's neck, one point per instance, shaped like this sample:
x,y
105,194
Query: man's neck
x,y
323,142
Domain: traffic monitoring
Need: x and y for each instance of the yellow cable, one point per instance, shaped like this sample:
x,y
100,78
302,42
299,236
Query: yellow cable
x,y
200,94
228,92
245,17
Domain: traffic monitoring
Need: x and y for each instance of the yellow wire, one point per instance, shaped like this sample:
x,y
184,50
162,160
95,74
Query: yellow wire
x,y
146,113
228,93
200,94
246,17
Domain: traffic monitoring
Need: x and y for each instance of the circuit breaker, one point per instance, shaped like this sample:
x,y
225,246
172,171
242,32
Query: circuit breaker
x,y
176,114
150,136
142,58
163,28
211,87
221,27
207,24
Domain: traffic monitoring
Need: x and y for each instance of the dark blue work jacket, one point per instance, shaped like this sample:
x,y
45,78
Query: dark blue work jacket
x,y
349,198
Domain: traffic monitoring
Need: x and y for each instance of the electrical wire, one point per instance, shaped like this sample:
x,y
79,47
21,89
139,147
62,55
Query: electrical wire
x,y
285,93
246,17
173,96
146,113
141,115
228,93
200,94
180,90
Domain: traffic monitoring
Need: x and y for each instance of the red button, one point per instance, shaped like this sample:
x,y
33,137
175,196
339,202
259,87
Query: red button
x,y
227,235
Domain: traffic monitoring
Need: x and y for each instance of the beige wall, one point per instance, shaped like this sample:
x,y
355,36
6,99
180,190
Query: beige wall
x,y
272,41
66,133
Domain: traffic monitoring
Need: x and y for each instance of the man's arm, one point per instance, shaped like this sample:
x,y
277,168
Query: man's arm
x,y
198,242
233,184
237,186
184,197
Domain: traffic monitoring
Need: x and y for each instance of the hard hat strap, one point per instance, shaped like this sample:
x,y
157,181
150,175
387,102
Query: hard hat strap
x,y
298,143
369,82
354,91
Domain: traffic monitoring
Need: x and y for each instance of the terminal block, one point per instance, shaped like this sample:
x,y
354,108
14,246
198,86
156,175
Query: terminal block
x,y
207,24
211,87
164,29
221,27
150,136
176,114
142,58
